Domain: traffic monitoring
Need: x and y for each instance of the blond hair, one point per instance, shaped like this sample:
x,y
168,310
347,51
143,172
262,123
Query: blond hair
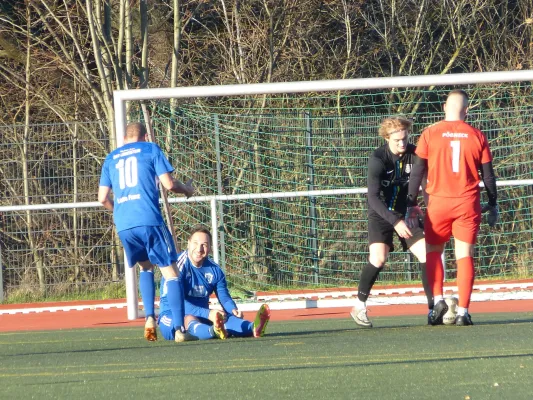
x,y
392,125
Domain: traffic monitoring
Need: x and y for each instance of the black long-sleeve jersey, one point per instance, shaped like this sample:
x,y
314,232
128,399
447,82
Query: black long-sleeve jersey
x,y
388,182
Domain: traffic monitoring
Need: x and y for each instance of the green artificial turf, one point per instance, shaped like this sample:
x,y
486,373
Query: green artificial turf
x,y
400,358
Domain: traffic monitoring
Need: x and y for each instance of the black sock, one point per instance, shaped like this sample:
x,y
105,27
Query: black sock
x,y
427,289
367,280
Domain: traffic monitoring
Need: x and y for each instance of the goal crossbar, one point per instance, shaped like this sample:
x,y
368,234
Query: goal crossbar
x,y
120,97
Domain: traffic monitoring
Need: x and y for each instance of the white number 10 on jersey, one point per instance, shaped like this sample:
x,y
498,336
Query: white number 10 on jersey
x,y
456,152
127,172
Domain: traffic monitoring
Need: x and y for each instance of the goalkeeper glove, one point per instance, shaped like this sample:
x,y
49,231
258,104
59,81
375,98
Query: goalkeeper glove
x,y
412,216
494,214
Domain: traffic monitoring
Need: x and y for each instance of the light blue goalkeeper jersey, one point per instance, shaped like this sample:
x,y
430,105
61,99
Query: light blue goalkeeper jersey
x,y
131,172
198,285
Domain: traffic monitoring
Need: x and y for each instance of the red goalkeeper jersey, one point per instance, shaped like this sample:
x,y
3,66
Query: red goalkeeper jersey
x,y
454,151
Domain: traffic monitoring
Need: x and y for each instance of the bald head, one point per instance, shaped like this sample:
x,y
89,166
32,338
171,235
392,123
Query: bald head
x,y
135,132
456,105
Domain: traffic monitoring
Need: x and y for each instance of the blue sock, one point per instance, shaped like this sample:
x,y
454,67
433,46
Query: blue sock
x,y
201,331
175,301
239,327
147,287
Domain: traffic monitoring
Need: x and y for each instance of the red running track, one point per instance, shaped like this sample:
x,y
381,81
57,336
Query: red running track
x,y
116,317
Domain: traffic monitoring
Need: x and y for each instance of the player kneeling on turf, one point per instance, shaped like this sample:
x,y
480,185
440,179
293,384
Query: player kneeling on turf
x,y
201,277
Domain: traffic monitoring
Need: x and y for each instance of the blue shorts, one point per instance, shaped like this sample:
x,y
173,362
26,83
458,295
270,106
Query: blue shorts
x,y
166,326
152,243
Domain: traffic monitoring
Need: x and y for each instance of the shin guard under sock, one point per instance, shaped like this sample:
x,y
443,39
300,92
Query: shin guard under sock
x,y
369,275
465,280
175,301
239,327
425,284
147,288
435,272
200,331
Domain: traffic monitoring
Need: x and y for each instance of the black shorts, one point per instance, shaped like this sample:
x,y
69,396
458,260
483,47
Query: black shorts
x,y
381,231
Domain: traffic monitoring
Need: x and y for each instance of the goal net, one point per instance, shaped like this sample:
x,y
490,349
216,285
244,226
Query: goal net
x,y
281,177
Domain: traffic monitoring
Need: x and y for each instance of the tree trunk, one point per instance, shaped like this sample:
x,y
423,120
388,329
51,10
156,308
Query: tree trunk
x,y
37,259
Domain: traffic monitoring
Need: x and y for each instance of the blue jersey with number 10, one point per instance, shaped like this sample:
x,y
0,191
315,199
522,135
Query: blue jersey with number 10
x,y
131,172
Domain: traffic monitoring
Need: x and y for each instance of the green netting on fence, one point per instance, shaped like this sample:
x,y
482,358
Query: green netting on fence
x,y
298,143
246,146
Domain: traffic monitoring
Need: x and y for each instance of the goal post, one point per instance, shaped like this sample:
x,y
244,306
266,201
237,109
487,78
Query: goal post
x,y
122,97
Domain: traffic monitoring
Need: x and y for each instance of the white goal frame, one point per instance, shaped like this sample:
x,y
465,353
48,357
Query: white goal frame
x,y
121,97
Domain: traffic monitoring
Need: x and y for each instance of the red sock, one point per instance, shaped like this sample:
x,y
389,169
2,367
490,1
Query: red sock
x,y
435,271
465,280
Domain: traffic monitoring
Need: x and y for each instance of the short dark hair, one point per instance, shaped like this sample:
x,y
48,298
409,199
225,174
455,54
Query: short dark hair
x,y
135,130
459,91
201,228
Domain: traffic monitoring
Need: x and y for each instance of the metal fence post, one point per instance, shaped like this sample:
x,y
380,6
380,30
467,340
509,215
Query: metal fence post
x,y
1,278
220,226
312,199
409,259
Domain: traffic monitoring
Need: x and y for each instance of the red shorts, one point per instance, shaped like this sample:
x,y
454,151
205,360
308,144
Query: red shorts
x,y
447,216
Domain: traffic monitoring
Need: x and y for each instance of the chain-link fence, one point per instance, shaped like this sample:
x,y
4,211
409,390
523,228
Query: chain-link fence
x,y
61,253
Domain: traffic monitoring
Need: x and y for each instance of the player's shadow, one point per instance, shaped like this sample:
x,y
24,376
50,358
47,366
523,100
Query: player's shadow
x,y
277,335
340,314
504,322
507,321
87,351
